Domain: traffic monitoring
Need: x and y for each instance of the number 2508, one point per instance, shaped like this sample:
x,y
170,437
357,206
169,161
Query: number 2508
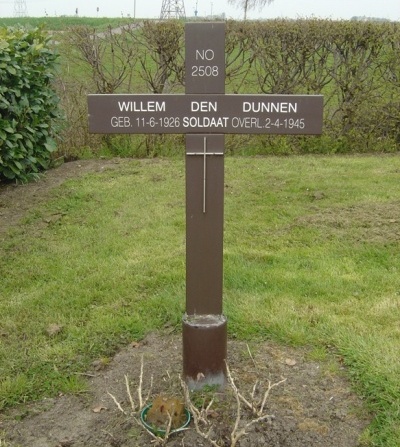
x,y
205,70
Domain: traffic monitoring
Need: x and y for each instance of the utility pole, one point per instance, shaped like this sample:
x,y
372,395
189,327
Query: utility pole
x,y
20,8
172,9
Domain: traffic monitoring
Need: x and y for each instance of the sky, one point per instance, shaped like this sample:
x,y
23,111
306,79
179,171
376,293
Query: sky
x,y
333,9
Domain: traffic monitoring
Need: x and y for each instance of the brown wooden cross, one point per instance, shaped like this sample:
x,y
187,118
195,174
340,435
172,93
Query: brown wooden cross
x,y
205,114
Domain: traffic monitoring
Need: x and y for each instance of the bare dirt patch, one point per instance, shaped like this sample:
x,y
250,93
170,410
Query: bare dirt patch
x,y
314,407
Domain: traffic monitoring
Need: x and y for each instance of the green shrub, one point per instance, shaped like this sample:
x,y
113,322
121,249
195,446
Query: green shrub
x,y
28,103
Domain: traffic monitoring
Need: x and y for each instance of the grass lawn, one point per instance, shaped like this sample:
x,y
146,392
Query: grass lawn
x,y
62,23
311,258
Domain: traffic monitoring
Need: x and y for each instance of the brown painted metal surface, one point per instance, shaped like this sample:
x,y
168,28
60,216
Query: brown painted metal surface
x,y
205,113
204,350
204,223
204,326
205,57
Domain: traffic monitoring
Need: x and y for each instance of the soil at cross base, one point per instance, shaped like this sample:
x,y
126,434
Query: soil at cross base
x,y
315,407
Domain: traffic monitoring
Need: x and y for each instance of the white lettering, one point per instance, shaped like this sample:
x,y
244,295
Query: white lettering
x,y
246,107
247,122
269,107
120,121
203,106
141,106
205,121
205,55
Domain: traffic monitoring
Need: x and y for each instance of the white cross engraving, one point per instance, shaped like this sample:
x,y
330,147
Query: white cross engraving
x,y
204,154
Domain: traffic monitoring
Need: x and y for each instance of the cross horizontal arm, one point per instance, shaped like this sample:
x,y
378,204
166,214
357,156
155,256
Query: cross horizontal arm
x,y
202,153
206,113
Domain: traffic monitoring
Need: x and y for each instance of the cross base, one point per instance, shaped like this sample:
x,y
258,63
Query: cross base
x,y
204,350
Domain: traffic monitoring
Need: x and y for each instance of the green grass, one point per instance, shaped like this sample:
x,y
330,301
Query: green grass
x,y
62,23
311,258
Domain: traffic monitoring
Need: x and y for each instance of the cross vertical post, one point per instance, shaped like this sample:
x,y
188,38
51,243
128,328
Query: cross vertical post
x,y
204,325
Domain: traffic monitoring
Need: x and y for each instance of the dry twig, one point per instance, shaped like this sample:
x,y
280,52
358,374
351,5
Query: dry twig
x,y
251,355
236,434
200,417
128,390
116,403
139,389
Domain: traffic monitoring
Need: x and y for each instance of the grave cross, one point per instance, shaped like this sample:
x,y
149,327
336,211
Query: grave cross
x,y
204,113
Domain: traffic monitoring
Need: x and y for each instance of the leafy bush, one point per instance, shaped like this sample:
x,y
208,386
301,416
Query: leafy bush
x,y
28,103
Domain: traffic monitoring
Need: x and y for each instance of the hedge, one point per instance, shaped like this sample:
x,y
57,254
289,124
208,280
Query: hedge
x,y
28,104
353,64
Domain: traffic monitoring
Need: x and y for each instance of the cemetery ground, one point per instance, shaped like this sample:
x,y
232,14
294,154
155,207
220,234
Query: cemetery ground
x,y
92,281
